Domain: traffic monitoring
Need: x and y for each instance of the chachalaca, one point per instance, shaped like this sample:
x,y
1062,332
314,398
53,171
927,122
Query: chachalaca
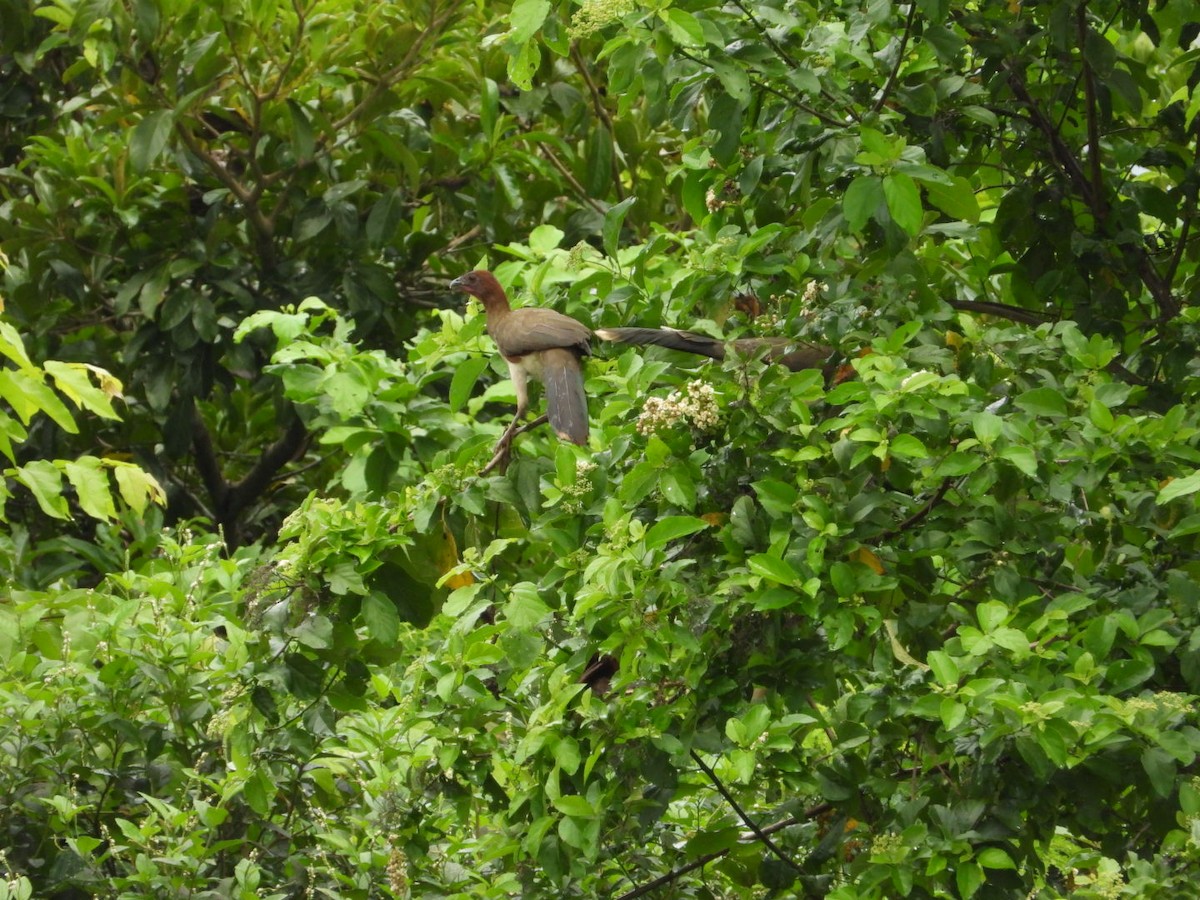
x,y
538,343
546,345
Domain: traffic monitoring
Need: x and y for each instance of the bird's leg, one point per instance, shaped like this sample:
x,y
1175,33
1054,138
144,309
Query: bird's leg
x,y
503,450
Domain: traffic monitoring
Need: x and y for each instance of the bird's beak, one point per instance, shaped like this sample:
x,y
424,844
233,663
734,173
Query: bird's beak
x,y
456,284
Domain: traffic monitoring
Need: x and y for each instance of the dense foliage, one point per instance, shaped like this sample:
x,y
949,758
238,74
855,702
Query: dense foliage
x,y
923,624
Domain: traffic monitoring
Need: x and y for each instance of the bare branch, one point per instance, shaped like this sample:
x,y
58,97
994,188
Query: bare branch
x,y
749,823
891,81
643,889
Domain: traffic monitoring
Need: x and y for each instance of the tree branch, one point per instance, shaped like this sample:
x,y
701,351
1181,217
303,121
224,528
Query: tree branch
x,y
926,508
1159,289
1093,125
642,889
274,458
230,500
205,456
601,113
749,823
891,81
570,177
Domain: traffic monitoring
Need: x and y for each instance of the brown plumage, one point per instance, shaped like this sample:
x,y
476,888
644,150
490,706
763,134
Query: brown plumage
x,y
791,354
537,343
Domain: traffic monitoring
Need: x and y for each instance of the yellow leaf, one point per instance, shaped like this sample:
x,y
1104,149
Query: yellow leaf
x,y
868,558
447,559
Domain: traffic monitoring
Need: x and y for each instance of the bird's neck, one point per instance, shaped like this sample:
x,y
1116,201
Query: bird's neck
x,y
495,303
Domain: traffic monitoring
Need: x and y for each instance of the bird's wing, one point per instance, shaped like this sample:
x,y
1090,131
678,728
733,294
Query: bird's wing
x,y
530,329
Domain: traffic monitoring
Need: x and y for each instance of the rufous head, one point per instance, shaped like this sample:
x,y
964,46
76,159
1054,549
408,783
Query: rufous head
x,y
479,283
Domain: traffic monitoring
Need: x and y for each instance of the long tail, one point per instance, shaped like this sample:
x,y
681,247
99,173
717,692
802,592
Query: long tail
x,y
566,402
794,355
673,339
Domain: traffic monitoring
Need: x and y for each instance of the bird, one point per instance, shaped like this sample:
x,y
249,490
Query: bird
x,y
548,346
535,343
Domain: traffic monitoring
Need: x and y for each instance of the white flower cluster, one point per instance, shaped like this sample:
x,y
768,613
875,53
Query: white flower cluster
x,y
696,405
574,494
595,14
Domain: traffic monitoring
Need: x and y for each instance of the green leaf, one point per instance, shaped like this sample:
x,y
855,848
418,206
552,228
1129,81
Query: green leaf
x,y
74,380
315,631
575,806
862,198
945,669
1161,768
672,528
90,479
13,346
44,479
566,754
991,615
956,200
525,608
712,842
259,792
677,486
774,597
995,858
1043,401
522,66
462,383
614,218
545,238
526,18
684,28
347,392
773,569
138,488
382,620
960,462
303,137
777,497
1179,487
907,445
734,79
987,427
149,138
29,395
384,218
904,201
969,878
1021,457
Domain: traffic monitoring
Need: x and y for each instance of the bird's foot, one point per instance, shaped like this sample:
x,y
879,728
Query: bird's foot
x,y
502,453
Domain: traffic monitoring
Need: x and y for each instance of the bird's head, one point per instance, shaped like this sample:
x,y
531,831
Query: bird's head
x,y
479,283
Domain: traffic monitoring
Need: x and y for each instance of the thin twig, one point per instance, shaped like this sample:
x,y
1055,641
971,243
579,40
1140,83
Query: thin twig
x,y
763,30
916,517
643,889
891,81
570,177
1093,126
749,823
601,113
